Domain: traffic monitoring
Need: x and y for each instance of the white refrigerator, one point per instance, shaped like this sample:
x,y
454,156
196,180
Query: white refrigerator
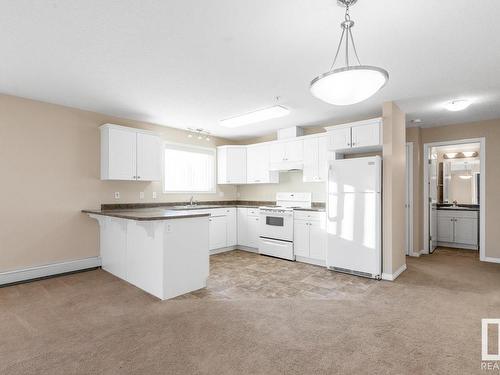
x,y
354,216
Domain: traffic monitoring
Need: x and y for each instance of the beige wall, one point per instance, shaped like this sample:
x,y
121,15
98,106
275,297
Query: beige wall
x,y
49,157
414,136
491,131
394,197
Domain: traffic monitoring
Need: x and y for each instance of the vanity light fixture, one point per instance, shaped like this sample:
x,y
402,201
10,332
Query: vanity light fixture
x,y
451,155
470,154
255,116
457,104
349,84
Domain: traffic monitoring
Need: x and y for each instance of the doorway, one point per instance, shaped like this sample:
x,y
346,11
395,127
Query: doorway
x,y
454,195
409,199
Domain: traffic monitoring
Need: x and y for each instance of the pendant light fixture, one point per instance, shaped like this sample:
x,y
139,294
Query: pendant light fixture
x,y
349,84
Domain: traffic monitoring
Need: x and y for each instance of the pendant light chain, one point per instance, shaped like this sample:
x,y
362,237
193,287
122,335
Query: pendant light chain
x,y
346,30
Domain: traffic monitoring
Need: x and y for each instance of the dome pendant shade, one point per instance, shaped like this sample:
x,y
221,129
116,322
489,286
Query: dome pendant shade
x,y
350,85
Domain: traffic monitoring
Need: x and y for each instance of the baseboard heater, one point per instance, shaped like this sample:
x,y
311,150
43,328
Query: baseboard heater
x,y
355,273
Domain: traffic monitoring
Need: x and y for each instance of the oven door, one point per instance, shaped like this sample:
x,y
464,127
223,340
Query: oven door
x,y
278,226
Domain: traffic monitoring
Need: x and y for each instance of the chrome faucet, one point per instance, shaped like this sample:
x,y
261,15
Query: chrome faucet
x,y
191,201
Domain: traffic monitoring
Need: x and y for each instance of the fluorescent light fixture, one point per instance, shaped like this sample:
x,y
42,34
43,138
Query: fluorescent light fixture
x,y
457,105
469,154
465,177
255,116
451,155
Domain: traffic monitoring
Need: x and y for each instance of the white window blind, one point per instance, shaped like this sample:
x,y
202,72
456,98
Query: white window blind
x,y
189,169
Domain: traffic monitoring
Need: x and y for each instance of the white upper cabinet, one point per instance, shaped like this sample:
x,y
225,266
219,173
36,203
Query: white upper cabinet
x,y
129,154
315,159
339,139
258,172
365,135
148,157
361,134
232,165
287,154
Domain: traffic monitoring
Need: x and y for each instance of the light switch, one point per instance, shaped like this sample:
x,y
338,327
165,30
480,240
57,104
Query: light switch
x,y
154,195
117,195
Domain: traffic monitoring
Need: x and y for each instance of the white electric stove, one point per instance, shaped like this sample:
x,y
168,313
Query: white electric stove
x,y
276,224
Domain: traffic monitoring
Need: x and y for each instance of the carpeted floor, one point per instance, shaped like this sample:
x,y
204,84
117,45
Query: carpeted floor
x,y
258,316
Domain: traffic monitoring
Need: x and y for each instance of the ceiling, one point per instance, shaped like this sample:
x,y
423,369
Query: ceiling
x,y
190,63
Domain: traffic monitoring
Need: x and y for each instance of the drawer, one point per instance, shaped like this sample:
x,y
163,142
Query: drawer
x,y
309,215
253,211
458,213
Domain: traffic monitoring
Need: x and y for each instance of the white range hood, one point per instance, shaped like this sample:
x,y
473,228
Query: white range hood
x,y
285,166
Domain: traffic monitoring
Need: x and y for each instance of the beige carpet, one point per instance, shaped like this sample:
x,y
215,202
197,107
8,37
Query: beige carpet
x,y
319,322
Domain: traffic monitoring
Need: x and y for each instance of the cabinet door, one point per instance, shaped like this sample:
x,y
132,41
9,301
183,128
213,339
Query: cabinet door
x,y
242,227
231,227
366,135
217,232
339,138
122,155
148,157
253,232
277,152
294,150
310,172
322,159
317,240
444,228
301,238
236,165
466,231
258,165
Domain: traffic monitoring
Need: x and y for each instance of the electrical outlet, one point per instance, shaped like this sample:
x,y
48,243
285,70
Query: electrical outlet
x,y
117,195
141,195
154,195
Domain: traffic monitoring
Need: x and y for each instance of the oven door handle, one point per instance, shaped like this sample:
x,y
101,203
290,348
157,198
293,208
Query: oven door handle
x,y
275,242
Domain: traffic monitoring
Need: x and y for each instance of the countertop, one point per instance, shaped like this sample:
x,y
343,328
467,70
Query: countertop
x,y
457,209
172,212
147,214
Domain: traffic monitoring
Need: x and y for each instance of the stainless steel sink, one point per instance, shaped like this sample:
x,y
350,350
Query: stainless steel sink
x,y
193,207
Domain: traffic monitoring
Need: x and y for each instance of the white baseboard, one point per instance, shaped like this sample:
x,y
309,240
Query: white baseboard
x,y
315,262
491,260
415,254
236,247
394,276
48,270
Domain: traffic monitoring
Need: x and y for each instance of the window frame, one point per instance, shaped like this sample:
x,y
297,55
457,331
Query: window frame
x,y
209,150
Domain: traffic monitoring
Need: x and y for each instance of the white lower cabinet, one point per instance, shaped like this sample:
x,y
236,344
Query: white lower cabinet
x,y
217,232
458,228
231,227
248,227
309,236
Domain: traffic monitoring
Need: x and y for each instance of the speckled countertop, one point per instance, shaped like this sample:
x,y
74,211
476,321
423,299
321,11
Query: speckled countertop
x,y
179,210
147,214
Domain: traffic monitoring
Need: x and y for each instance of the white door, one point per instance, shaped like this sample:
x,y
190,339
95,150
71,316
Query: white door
x,y
408,199
317,240
301,238
148,157
242,226
258,164
217,232
339,139
322,159
236,164
277,152
231,229
365,135
122,155
433,181
253,231
445,228
466,231
294,150
310,172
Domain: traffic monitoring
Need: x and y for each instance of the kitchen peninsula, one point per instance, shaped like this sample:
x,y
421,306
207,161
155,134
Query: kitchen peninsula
x,y
164,252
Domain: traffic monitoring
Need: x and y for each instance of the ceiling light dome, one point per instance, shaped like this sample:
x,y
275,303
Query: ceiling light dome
x,y
350,84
